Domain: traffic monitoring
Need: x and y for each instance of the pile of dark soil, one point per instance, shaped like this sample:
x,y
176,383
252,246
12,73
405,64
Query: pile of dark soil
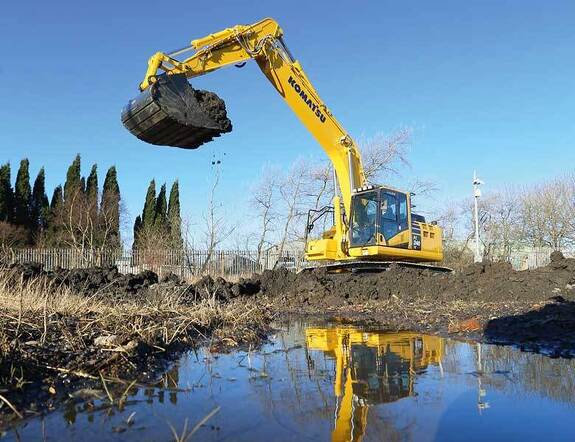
x,y
108,281
485,282
90,280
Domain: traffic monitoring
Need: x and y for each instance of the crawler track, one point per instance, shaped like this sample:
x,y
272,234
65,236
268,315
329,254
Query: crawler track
x,y
375,266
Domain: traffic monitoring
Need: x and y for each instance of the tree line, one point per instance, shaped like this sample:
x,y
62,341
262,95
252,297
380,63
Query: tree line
x,y
513,220
81,216
78,215
160,224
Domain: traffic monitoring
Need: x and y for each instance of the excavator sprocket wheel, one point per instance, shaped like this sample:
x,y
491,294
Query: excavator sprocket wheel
x,y
172,113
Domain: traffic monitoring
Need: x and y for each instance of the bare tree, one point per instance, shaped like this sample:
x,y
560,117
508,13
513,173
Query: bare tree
x,y
264,201
456,238
499,216
217,228
383,155
536,216
547,212
499,228
421,187
292,194
320,177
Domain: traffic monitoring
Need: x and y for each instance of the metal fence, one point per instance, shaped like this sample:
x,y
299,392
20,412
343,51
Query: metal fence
x,y
535,257
188,264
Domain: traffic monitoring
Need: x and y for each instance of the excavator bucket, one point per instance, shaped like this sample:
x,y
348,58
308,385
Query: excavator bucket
x,y
172,113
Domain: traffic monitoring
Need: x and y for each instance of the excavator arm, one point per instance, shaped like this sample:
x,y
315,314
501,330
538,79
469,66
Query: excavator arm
x,y
263,42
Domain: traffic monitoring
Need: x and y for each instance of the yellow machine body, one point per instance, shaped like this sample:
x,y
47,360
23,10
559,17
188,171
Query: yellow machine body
x,y
361,230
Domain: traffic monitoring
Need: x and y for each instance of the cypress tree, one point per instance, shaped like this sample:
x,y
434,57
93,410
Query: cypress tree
x,y
22,196
6,194
137,228
91,199
110,207
57,199
149,212
73,183
92,189
160,218
174,218
39,206
54,218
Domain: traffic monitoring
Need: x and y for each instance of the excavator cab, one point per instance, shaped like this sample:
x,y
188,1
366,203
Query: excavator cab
x,y
379,217
381,227
382,223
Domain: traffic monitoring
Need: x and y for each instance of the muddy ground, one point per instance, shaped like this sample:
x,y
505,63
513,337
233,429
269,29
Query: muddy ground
x,y
534,310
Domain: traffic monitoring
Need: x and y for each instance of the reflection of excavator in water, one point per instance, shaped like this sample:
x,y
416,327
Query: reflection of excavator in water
x,y
372,225
371,368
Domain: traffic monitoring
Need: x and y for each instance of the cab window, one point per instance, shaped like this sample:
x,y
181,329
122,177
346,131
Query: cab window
x,y
402,219
388,207
364,218
388,211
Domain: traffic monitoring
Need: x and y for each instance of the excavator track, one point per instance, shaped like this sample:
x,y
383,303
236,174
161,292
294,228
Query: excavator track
x,y
172,113
374,266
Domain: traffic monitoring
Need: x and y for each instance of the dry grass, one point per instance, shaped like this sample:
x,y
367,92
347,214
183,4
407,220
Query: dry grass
x,y
39,310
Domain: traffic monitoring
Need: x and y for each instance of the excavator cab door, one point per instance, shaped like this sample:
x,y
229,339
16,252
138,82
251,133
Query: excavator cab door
x,y
393,219
364,219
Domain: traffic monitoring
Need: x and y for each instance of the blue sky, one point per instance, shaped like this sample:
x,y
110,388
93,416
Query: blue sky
x,y
487,85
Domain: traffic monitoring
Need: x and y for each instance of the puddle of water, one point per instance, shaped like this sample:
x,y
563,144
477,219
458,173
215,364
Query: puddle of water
x,y
338,383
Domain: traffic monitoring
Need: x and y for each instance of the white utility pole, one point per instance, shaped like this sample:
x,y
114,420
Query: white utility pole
x,y
476,194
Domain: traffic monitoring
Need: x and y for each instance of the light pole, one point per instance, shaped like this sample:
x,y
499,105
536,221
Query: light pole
x,y
476,194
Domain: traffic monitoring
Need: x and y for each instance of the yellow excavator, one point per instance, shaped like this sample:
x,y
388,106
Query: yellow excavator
x,y
371,368
373,225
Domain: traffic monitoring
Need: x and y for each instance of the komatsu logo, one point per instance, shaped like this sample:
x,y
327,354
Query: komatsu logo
x,y
313,106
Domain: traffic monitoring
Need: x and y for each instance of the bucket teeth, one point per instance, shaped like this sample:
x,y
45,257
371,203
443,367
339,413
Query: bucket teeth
x,y
172,113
